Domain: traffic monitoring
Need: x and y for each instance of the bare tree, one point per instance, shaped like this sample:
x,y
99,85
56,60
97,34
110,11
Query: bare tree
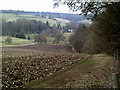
x,y
40,39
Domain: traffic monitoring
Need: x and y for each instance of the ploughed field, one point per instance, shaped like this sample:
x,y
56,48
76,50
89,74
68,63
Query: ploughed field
x,y
48,48
28,66
25,64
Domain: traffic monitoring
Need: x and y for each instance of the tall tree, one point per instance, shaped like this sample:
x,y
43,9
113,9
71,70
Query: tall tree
x,y
106,22
84,6
40,39
47,23
107,31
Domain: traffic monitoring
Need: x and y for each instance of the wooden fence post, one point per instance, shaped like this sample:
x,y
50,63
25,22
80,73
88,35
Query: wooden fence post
x,y
115,80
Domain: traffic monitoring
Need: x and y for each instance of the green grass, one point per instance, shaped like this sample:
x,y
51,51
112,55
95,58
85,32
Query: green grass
x,y
9,17
26,15
15,41
67,34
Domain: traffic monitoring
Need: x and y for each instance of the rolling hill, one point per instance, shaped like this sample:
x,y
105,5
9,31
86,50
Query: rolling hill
x,y
49,15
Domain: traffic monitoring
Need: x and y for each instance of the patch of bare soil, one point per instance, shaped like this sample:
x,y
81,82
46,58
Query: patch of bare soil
x,y
48,48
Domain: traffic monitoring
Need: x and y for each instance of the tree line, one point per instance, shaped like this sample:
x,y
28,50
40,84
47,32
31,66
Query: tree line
x,y
23,28
20,27
103,36
55,36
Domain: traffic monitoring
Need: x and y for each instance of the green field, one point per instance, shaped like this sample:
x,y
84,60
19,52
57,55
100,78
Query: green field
x,y
9,17
19,41
15,41
67,35
13,17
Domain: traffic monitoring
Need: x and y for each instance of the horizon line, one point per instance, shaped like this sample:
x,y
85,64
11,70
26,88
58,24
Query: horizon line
x,y
41,11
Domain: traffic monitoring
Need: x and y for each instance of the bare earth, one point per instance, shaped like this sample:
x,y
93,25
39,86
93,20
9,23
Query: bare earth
x,y
42,66
48,48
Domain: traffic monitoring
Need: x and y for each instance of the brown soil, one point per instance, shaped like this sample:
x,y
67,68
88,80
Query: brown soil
x,y
94,72
48,48
22,65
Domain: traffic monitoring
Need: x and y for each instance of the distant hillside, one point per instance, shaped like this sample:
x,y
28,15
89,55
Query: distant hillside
x,y
70,17
50,15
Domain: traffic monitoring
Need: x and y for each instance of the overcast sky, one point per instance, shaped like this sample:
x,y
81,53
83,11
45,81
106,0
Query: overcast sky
x,y
33,5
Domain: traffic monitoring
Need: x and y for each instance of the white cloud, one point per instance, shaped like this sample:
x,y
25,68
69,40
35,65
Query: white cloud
x,y
32,5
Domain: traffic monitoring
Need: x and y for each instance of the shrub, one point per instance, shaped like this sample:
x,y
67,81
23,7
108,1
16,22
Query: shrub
x,y
9,40
78,38
40,39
